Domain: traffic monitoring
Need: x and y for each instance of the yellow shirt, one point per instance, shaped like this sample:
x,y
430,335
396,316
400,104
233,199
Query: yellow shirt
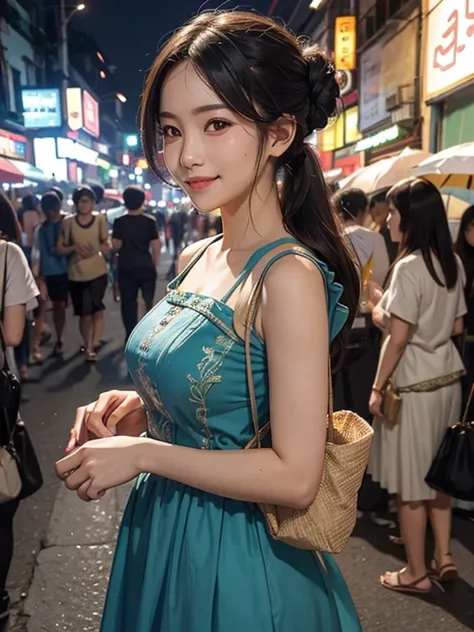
x,y
94,234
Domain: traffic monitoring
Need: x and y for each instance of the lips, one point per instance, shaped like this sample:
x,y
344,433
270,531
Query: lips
x,y
200,183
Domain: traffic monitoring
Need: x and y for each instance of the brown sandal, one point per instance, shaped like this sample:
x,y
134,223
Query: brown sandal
x,y
410,589
91,356
445,574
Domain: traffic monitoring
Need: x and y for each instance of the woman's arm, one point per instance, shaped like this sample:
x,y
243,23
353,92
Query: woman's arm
x,y
62,248
392,351
294,320
14,318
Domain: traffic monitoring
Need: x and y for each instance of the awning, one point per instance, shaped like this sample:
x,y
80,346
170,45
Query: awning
x,y
9,173
30,171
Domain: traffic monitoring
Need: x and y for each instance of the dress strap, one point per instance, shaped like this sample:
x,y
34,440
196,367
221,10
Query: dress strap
x,y
184,272
253,261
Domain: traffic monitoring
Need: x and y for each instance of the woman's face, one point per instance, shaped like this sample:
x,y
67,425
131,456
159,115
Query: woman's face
x,y
394,224
209,150
469,234
85,205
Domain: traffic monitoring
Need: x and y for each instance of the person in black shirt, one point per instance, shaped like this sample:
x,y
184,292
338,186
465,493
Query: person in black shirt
x,y
379,211
135,238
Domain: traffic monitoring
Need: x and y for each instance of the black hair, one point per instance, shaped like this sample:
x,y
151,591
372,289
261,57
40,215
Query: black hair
x,y
465,250
30,203
9,225
58,192
380,196
133,197
263,72
350,202
83,191
50,202
424,226
98,192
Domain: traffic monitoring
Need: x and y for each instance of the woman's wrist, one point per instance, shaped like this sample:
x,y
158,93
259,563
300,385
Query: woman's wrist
x,y
376,389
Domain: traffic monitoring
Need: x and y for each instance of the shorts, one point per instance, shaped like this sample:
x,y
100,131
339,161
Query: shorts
x,y
58,288
87,296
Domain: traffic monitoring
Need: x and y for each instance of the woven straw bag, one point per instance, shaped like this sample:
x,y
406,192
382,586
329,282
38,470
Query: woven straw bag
x,y
328,523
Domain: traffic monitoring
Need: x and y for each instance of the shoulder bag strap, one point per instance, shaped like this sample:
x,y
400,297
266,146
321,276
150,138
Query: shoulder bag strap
x,y
3,291
255,298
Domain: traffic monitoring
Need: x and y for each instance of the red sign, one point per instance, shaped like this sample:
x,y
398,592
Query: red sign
x,y
90,114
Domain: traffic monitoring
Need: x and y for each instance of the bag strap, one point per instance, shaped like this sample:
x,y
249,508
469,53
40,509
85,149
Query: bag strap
x,y
3,292
254,302
464,421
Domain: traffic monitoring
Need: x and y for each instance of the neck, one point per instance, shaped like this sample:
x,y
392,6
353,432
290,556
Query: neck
x,y
253,220
137,211
84,218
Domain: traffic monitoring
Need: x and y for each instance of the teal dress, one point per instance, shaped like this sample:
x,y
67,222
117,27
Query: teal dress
x,y
187,560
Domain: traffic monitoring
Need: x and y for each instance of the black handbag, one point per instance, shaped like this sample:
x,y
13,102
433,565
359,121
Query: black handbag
x,y
14,436
452,471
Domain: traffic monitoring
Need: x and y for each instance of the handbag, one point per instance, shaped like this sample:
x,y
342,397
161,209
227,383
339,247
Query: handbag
x,y
391,403
452,470
16,449
328,523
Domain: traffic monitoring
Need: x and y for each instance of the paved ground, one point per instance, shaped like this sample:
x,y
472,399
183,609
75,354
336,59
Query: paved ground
x,y
64,547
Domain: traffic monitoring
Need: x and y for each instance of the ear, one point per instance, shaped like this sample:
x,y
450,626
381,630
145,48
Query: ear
x,y
281,134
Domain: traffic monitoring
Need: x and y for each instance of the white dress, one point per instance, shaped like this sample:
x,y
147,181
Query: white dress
x,y
402,453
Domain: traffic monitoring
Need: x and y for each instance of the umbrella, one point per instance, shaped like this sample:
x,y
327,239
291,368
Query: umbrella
x,y
9,173
385,173
452,167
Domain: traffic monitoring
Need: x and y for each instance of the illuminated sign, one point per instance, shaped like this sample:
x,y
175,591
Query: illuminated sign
x,y
345,42
74,108
102,148
41,107
126,160
67,148
47,160
383,137
450,45
352,126
103,164
90,113
142,163
12,145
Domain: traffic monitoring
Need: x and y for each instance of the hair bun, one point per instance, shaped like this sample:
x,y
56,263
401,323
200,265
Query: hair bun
x,y
323,89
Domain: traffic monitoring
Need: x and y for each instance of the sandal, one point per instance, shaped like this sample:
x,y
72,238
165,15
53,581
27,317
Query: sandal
x,y
410,589
91,356
58,349
36,358
445,574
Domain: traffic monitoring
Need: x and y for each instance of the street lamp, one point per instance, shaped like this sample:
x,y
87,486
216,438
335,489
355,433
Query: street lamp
x,y
64,49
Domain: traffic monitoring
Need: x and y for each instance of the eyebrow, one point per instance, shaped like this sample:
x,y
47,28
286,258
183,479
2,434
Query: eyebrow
x,y
199,110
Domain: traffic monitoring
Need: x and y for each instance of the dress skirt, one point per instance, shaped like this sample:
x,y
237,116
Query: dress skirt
x,y
402,453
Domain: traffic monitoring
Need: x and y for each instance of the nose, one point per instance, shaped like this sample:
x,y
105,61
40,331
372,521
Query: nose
x,y
192,154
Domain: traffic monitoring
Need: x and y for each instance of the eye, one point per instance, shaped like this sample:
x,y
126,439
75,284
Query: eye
x,y
169,131
217,125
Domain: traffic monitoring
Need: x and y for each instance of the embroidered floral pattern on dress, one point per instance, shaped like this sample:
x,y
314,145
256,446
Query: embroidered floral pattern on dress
x,y
158,420
208,369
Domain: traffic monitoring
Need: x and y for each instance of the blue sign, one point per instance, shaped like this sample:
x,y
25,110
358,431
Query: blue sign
x,y
41,107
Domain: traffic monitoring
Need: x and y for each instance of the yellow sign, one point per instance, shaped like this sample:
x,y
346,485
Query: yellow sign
x,y
74,108
141,163
345,43
352,125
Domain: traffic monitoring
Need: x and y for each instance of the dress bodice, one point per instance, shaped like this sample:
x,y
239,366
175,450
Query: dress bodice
x,y
188,364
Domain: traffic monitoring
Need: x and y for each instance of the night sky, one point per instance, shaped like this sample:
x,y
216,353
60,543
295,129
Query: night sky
x,y
129,33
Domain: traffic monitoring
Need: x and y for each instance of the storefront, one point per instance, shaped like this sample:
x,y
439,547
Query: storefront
x,y
336,145
388,119
449,75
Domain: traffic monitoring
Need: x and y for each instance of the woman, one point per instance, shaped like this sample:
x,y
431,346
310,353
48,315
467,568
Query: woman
x,y
421,310
85,238
465,249
18,295
236,97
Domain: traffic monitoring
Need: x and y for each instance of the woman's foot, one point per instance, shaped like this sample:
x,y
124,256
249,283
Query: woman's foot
x,y
443,569
58,348
404,581
91,356
36,358
397,540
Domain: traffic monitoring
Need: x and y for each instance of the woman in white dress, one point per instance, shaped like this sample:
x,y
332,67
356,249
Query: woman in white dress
x,y
421,310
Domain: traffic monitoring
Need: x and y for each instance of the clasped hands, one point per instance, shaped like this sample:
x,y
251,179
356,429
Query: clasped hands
x,y
91,467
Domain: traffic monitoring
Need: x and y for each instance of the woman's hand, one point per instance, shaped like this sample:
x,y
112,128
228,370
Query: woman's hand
x,y
379,318
100,465
375,292
375,403
123,410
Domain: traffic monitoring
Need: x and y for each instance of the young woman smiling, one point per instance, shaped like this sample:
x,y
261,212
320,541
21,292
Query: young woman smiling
x,y
230,100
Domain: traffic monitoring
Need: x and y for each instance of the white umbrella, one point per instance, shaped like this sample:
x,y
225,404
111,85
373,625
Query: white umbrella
x,y
385,173
452,167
